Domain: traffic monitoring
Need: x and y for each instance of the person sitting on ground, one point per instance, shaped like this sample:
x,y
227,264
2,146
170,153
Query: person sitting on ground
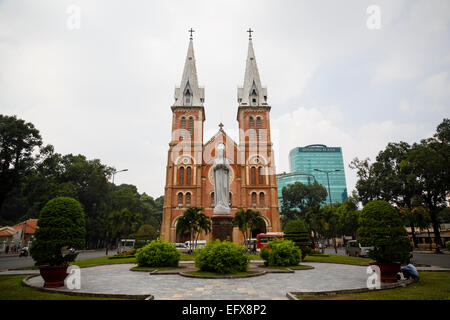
x,y
410,271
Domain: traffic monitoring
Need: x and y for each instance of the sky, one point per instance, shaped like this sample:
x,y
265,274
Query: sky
x,y
98,78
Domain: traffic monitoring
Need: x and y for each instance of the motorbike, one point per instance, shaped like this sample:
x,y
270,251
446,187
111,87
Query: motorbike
x,y
23,252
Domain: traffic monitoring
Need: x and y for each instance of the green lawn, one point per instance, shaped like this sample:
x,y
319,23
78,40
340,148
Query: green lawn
x,y
338,259
214,274
102,260
11,288
431,286
157,268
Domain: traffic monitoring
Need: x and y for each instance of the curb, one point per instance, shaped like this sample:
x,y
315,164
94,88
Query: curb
x,y
385,286
256,274
87,294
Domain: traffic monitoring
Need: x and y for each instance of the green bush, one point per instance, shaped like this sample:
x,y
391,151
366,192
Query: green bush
x,y
297,232
382,227
61,226
281,253
158,254
222,257
447,245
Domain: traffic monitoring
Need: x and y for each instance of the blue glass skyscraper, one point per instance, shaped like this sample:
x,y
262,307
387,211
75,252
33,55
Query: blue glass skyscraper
x,y
317,160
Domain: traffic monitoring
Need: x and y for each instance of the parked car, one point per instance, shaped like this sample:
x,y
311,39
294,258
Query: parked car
x,y
354,248
182,247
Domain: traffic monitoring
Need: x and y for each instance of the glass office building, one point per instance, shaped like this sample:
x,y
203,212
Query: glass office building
x,y
285,179
316,160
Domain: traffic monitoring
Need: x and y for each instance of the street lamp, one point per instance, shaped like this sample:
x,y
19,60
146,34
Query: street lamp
x,y
114,173
328,179
110,205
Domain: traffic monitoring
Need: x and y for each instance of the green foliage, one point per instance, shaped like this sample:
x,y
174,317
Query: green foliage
x,y
447,244
222,257
381,227
247,221
297,232
281,252
192,223
158,254
123,222
61,224
299,198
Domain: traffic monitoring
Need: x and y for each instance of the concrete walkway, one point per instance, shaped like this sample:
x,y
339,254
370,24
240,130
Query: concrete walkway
x,y
119,279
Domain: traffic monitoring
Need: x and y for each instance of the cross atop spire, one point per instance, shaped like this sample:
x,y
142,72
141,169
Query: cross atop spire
x,y
221,126
191,31
250,33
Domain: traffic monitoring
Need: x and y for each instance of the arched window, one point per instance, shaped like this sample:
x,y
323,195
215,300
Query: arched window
x,y
180,199
253,175
191,127
181,177
261,199
254,199
188,175
183,128
258,128
252,128
188,199
212,199
260,175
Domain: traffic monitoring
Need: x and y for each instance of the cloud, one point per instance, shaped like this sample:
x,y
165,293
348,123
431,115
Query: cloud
x,y
437,88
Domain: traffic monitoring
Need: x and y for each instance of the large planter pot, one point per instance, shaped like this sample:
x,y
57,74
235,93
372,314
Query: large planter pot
x,y
53,276
388,270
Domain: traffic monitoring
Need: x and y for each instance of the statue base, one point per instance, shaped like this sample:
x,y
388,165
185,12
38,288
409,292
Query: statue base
x,y
222,227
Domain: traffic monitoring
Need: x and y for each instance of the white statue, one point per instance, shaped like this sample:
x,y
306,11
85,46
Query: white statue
x,y
221,173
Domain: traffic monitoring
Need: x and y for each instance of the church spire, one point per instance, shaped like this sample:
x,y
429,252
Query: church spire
x,y
252,93
189,93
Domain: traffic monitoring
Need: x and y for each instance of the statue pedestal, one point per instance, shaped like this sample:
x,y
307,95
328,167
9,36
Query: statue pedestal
x,y
222,227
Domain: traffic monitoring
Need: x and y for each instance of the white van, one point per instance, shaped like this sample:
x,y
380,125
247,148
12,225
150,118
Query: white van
x,y
200,244
354,248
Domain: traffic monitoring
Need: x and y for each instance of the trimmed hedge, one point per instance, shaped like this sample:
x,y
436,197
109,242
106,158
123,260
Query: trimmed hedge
x,y
382,227
222,257
158,254
297,232
61,226
281,253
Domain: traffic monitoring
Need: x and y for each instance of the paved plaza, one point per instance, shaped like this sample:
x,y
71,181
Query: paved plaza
x,y
118,279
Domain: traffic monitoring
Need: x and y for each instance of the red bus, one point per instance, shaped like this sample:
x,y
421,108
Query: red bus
x,y
264,238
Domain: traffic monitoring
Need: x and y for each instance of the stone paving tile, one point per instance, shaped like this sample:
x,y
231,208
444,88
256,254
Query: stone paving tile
x,y
119,279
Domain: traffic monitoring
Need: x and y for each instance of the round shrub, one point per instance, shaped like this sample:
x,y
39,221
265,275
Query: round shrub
x,y
382,227
158,254
222,257
61,226
281,253
297,232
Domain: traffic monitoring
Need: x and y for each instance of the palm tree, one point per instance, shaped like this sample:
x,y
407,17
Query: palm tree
x,y
193,222
247,220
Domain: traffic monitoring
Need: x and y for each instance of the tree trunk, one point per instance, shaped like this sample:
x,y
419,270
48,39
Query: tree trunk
x,y
437,234
413,232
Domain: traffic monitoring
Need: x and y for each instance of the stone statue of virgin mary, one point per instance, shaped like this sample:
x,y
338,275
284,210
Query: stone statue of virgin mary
x,y
221,173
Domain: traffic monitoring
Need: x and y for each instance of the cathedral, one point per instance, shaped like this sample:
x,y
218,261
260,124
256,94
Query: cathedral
x,y
189,177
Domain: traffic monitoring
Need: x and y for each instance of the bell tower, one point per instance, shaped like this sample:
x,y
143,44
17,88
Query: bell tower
x,y
184,162
259,186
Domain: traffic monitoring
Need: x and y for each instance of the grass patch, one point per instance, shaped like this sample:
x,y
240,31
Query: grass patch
x,y
157,268
11,288
214,274
300,267
339,259
297,267
431,286
102,260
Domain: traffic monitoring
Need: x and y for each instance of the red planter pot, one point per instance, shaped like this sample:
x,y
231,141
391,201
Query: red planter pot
x,y
388,270
53,276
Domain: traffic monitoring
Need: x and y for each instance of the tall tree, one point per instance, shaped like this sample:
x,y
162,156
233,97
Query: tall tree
x,y
18,141
193,222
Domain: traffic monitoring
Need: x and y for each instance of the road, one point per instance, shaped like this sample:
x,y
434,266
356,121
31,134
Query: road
x,y
14,262
432,259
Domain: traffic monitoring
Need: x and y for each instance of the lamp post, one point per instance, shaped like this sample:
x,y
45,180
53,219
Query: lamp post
x,y
328,179
110,205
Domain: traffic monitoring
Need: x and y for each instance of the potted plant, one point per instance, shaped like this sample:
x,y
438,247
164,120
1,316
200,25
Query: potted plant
x,y
296,231
61,230
381,227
